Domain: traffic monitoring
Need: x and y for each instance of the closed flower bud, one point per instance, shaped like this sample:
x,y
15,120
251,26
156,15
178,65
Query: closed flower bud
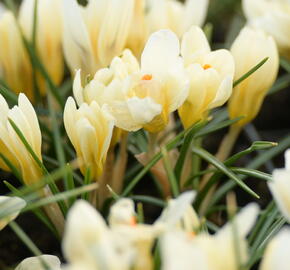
x,y
11,145
248,95
273,17
280,187
37,263
210,74
89,129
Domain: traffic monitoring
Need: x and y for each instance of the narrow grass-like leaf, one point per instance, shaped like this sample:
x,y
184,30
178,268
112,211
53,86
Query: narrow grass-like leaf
x,y
212,160
148,199
186,147
252,173
250,72
87,181
13,169
28,242
7,93
170,173
285,64
281,83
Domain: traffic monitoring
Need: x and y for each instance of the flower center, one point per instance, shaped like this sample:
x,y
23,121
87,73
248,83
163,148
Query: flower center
x,y
206,66
147,77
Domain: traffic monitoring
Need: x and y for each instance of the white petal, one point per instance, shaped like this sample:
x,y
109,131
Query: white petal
x,y
10,208
78,89
161,52
84,227
35,263
287,160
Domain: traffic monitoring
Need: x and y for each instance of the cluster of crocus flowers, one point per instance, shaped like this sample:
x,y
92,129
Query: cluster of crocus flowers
x,y
273,17
89,243
96,33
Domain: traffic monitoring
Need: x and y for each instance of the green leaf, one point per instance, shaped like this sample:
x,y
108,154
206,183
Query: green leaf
x,y
148,199
219,165
281,83
250,72
7,93
170,173
253,173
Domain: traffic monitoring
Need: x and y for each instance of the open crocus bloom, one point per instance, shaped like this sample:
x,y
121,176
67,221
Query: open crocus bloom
x,y
280,187
273,17
210,73
277,252
181,250
141,96
89,129
39,263
9,209
11,145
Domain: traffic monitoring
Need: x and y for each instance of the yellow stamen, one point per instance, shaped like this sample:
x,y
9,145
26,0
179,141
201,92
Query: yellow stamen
x,y
147,77
206,66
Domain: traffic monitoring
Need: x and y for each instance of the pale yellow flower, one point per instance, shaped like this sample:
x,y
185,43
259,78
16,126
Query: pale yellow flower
x,y
89,129
276,255
273,17
176,16
280,187
210,73
10,208
181,250
16,68
36,263
140,96
94,34
48,35
248,96
11,145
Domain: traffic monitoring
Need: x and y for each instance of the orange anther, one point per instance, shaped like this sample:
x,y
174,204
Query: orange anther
x,y
191,235
133,221
147,77
206,66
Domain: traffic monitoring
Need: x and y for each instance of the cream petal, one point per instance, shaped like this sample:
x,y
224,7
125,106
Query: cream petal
x,y
4,109
195,13
277,252
287,160
9,209
161,52
223,93
84,227
76,41
253,9
280,189
78,89
194,43
114,33
35,263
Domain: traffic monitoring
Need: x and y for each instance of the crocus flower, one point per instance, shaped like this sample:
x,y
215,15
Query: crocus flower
x,y
39,263
248,96
89,129
210,74
273,17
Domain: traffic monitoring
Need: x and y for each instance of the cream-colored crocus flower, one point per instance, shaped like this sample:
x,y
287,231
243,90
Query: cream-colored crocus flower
x,y
248,96
11,145
215,252
40,263
94,34
280,187
141,96
174,15
48,35
9,209
273,17
277,252
89,129
210,73
16,68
